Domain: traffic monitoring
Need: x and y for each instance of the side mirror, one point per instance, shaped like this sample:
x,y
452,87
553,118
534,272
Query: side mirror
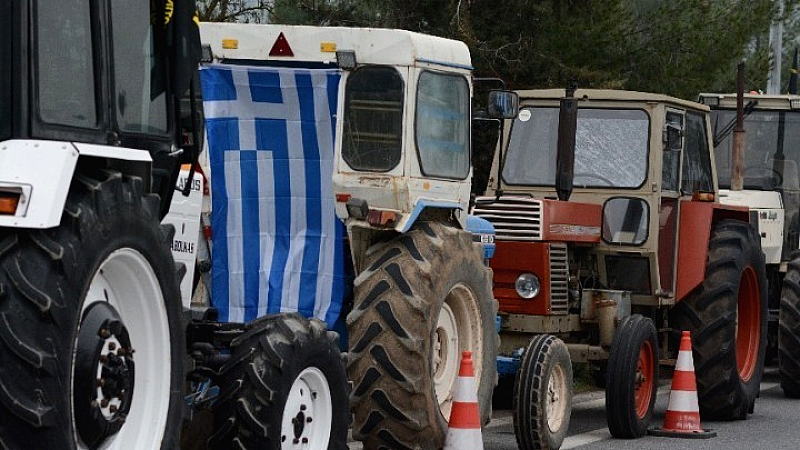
x,y
625,221
503,104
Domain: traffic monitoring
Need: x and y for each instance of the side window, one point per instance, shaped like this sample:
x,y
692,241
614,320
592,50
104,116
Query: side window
x,y
442,125
696,159
673,144
373,119
137,109
65,63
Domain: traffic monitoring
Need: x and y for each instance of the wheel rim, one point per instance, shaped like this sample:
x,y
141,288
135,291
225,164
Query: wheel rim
x,y
556,407
126,284
643,385
748,324
457,329
308,413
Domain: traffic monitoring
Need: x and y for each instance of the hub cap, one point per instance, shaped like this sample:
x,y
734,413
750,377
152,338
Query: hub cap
x,y
556,405
118,405
643,384
457,329
748,324
307,417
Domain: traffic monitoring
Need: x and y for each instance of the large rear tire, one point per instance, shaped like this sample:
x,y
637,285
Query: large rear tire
x,y
285,386
77,301
632,378
789,331
542,401
727,316
422,299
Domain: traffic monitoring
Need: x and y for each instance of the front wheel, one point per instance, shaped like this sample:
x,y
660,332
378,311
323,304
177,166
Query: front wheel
x,y
542,401
423,298
284,387
632,378
727,316
91,337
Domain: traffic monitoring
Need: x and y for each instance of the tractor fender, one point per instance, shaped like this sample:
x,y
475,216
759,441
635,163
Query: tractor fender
x,y
421,205
696,221
41,173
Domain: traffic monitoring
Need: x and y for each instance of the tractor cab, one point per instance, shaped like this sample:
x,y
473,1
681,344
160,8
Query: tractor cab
x,y
80,94
640,160
771,180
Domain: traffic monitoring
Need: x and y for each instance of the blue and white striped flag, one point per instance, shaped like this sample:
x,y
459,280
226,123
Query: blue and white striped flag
x,y
277,244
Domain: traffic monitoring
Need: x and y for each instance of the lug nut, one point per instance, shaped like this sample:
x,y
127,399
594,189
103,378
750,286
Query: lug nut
x,y
101,382
112,408
309,419
104,403
302,407
112,346
104,333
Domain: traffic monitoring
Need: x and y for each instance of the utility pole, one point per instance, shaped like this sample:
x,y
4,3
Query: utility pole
x,y
776,50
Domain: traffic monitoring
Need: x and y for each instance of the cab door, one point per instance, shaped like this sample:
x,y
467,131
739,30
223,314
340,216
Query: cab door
x,y
673,142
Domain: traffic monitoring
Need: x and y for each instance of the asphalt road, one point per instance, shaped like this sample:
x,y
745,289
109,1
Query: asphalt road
x,y
775,424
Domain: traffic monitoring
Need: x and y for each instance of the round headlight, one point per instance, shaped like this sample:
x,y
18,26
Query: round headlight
x,y
527,285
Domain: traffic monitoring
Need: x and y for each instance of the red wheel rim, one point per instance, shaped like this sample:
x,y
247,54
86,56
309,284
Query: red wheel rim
x,y
748,324
643,384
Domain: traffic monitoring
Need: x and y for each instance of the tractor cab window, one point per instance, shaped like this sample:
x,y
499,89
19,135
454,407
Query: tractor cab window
x,y
696,158
5,70
671,155
141,104
66,87
611,148
373,119
772,149
442,125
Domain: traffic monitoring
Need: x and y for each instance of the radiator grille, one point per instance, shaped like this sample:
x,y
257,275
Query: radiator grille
x,y
559,275
513,218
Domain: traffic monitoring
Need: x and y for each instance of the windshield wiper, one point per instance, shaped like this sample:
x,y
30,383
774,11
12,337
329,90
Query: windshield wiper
x,y
728,129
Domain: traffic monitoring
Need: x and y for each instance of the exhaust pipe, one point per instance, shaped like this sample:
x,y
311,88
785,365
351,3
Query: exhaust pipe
x,y
565,153
737,151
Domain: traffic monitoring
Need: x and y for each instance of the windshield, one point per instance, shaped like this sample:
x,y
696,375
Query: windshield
x,y
772,149
373,119
442,125
610,148
5,69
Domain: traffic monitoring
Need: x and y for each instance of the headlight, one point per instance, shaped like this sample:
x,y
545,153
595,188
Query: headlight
x,y
527,285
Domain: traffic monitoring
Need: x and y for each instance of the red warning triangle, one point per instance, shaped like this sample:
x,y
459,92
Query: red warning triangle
x,y
281,47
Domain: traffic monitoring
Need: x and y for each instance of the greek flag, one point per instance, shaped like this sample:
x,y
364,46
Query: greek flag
x,y
277,244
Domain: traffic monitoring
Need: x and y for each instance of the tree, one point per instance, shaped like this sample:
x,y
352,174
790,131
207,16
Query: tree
x,y
233,10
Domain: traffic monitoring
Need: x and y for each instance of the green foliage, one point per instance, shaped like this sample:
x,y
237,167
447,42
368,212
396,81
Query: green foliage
x,y
688,46
676,47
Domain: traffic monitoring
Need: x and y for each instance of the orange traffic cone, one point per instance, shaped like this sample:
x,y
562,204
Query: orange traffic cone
x,y
465,418
683,413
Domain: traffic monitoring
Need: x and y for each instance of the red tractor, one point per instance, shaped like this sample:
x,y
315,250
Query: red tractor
x,y
610,240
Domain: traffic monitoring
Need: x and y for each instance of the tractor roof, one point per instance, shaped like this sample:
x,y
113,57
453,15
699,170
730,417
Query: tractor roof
x,y
319,44
610,95
763,101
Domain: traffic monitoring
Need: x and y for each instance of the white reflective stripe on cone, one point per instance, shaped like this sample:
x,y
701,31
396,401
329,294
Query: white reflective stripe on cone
x,y
685,362
465,390
464,439
683,401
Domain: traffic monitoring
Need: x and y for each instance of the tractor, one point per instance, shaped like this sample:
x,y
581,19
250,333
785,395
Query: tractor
x,y
771,190
610,239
